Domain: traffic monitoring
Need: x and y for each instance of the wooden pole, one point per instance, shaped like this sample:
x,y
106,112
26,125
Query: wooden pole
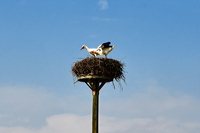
x,y
95,110
95,106
95,83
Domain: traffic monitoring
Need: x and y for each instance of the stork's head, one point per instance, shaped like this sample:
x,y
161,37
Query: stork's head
x,y
83,47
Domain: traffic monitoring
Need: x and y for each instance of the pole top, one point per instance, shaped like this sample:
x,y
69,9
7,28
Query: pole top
x,y
95,78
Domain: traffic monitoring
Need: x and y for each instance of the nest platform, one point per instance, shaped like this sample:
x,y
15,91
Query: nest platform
x,y
93,69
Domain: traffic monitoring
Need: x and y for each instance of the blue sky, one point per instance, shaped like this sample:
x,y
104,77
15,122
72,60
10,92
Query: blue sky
x,y
157,40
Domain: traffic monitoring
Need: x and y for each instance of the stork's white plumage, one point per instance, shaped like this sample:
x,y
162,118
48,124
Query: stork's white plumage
x,y
91,51
103,49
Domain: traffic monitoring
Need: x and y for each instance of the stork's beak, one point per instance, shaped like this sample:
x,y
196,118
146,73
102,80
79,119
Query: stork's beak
x,y
82,48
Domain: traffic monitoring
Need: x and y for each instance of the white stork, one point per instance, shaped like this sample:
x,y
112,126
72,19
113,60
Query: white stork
x,y
103,49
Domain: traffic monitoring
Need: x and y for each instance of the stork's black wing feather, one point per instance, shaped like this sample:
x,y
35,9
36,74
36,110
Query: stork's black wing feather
x,y
106,44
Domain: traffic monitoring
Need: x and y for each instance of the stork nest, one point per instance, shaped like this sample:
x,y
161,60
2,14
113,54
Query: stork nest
x,y
92,66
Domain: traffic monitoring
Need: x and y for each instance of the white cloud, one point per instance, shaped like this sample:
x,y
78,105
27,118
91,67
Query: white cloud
x,y
69,123
153,110
153,102
75,124
103,4
24,106
15,130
